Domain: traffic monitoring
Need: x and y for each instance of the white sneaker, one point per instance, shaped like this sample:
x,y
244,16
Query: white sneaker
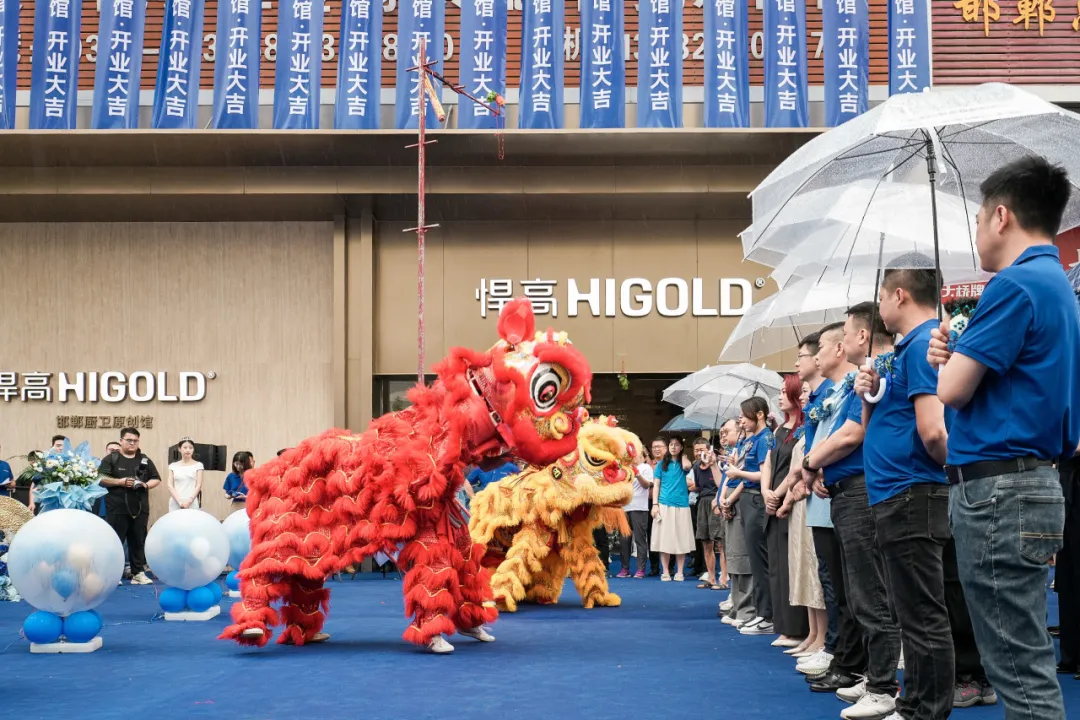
x,y
478,633
727,620
812,657
704,576
815,664
762,628
439,645
753,622
894,716
141,579
725,606
852,695
871,706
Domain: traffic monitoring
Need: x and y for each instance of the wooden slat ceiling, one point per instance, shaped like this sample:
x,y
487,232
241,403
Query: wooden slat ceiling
x,y
963,53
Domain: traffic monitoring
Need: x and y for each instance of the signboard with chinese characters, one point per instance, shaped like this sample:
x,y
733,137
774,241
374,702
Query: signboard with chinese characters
x,y
110,387
104,422
610,297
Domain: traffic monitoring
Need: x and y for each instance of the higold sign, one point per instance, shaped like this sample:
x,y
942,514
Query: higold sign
x,y
110,387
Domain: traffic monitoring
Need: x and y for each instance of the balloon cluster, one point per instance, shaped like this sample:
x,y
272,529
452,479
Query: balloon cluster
x,y
188,550
239,534
65,563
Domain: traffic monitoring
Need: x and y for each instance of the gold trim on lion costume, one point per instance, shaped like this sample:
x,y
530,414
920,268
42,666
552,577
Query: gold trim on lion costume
x,y
538,525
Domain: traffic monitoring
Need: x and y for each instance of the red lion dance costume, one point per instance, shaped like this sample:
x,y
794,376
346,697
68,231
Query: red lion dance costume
x,y
338,498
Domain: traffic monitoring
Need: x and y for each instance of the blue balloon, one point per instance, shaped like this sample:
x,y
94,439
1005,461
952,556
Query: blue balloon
x,y
200,599
216,589
82,627
172,599
232,581
64,582
43,627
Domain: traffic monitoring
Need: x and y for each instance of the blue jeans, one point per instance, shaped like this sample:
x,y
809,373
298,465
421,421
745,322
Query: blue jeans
x,y
1007,528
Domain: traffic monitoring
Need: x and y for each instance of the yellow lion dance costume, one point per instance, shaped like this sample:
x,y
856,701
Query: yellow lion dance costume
x,y
538,525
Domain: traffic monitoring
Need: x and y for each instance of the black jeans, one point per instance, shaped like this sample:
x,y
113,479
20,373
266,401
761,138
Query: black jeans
x,y
865,584
603,544
752,512
1067,569
638,520
912,531
849,654
132,529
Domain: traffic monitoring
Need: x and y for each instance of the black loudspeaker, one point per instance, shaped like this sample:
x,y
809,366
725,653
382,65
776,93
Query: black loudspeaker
x,y
213,457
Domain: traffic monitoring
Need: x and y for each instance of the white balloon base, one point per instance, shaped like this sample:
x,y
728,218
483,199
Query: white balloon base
x,y
66,647
191,616
232,593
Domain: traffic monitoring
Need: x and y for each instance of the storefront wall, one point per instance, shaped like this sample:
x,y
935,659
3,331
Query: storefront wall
x,y
249,303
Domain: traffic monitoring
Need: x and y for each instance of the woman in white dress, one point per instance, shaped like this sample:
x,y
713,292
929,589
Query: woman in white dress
x,y
185,478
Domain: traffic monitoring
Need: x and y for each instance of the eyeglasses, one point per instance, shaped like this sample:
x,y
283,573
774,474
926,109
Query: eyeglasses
x,y
802,356
130,440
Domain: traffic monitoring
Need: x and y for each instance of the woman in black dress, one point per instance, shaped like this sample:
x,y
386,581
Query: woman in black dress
x,y
792,623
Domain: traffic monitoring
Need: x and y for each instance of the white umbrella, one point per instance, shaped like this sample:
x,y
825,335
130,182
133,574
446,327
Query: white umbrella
x,y
713,409
949,140
681,392
733,383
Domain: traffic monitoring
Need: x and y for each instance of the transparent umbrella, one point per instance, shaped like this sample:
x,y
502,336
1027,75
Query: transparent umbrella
x,y
713,409
724,379
947,140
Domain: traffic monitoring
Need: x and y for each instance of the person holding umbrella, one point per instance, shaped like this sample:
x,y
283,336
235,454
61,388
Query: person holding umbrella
x,y
1014,381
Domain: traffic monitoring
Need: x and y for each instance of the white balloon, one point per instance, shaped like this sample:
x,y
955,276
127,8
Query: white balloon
x,y
187,548
237,528
65,552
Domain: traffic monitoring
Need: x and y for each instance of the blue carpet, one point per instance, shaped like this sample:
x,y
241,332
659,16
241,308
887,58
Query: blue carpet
x,y
664,653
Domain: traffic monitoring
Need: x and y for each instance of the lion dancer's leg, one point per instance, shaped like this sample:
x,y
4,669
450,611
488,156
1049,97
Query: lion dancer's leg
x,y
253,616
477,601
587,569
547,585
525,558
432,589
304,612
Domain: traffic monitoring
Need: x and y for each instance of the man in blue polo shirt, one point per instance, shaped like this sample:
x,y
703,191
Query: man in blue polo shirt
x,y
904,453
838,451
1013,379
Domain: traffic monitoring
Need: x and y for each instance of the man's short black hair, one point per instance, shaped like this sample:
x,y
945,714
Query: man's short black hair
x,y
831,327
1033,190
129,431
57,437
812,342
867,312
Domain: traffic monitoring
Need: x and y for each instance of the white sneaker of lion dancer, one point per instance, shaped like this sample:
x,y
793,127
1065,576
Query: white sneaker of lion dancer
x,y
479,633
439,645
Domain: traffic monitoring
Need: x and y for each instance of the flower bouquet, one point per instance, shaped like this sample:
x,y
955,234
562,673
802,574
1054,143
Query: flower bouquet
x,y
67,479
960,314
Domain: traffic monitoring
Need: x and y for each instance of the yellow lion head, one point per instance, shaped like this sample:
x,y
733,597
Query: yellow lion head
x,y
603,465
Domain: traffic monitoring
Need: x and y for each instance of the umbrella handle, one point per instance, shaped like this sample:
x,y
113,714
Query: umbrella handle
x,y
876,398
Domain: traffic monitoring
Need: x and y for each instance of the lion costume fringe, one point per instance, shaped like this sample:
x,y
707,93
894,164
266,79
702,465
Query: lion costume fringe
x,y
538,525
338,498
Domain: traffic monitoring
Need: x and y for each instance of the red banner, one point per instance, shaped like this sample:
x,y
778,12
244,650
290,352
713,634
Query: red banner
x,y
1068,244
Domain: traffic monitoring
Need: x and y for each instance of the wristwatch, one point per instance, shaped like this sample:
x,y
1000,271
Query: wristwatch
x,y
806,464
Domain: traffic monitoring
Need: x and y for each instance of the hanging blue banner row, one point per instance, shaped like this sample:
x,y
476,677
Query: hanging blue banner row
x,y
483,50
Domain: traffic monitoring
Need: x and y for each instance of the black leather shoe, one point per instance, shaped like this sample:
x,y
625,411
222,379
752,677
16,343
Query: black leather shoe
x,y
834,681
816,678
1054,630
1067,668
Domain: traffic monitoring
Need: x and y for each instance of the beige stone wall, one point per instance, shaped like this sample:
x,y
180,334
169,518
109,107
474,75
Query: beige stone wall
x,y
250,302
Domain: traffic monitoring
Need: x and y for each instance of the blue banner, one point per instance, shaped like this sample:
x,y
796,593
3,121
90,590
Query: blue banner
x,y
176,94
727,64
9,56
359,76
298,75
659,90
418,19
540,102
786,102
118,74
236,65
846,37
54,73
603,65
483,61
909,46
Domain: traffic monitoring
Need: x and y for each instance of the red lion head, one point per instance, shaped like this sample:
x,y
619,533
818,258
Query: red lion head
x,y
535,385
